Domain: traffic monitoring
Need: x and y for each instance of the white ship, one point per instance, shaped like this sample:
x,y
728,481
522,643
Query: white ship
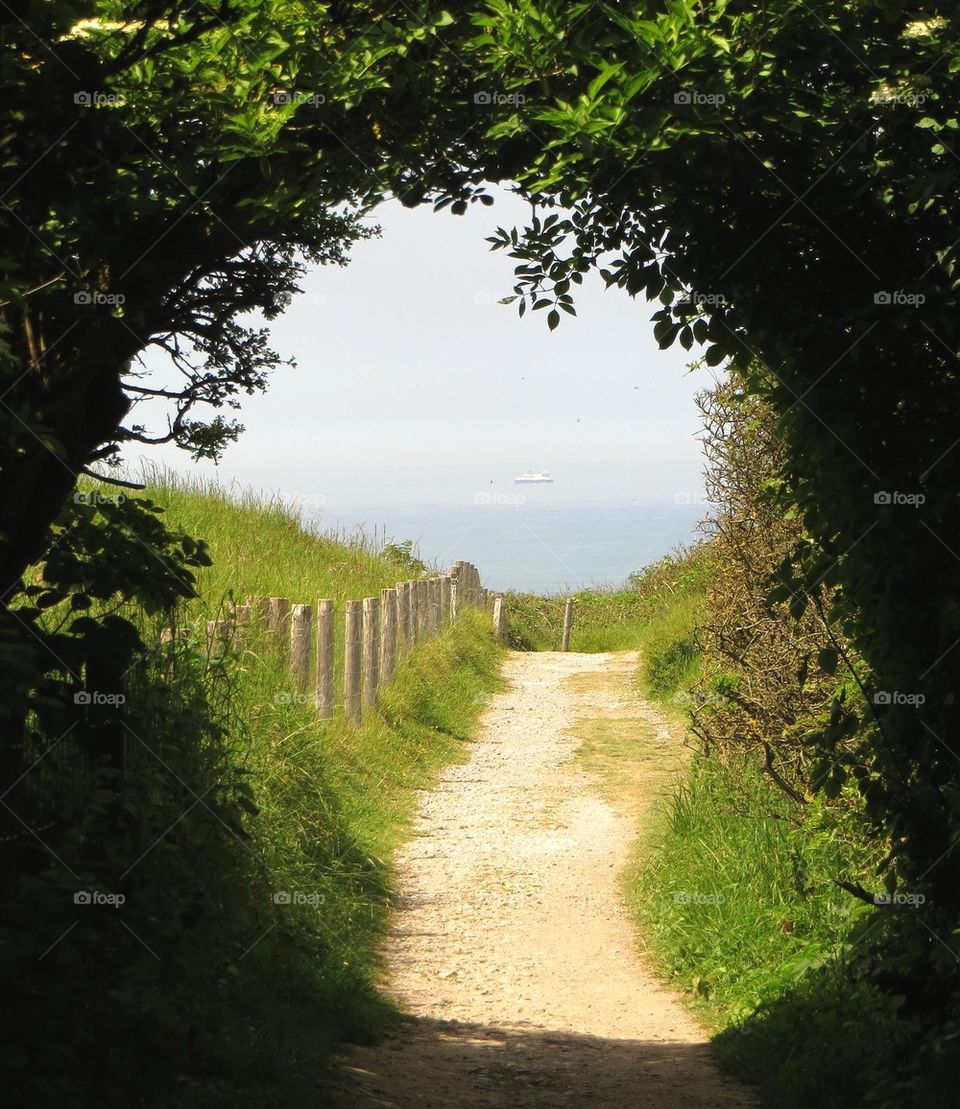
x,y
533,477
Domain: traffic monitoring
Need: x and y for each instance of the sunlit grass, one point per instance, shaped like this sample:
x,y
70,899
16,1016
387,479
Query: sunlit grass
x,y
331,799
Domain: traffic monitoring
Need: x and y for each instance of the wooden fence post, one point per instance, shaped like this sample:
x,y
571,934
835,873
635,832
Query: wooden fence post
x,y
300,627
278,621
414,612
325,658
218,635
454,598
457,582
371,660
259,611
243,615
403,614
567,623
434,606
397,630
423,608
351,660
498,616
444,600
388,634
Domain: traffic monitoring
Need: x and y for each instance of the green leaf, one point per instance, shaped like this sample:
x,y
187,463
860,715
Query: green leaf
x,y
798,606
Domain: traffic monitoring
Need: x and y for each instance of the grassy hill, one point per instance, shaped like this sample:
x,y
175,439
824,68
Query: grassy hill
x,y
265,832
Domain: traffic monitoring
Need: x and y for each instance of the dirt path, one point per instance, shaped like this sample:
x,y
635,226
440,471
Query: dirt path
x,y
511,946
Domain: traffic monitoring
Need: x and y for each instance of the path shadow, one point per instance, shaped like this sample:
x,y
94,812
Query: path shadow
x,y
435,1064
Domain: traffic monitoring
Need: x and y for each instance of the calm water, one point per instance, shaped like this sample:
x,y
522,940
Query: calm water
x,y
594,525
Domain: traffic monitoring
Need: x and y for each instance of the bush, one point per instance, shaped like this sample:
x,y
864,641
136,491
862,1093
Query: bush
x,y
736,892
239,855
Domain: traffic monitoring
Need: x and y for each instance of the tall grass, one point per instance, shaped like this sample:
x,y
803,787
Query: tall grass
x,y
735,895
655,611
279,890
674,592
734,891
261,545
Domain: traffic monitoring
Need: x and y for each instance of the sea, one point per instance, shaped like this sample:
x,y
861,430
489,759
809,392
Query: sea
x,y
592,527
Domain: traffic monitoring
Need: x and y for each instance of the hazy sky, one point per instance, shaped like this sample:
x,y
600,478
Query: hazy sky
x,y
405,357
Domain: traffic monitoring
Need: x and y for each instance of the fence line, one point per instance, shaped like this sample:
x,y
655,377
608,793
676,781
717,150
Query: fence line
x,y
324,695
352,659
378,631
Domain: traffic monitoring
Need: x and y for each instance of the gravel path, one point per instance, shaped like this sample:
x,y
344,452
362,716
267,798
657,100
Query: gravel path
x,y
511,946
